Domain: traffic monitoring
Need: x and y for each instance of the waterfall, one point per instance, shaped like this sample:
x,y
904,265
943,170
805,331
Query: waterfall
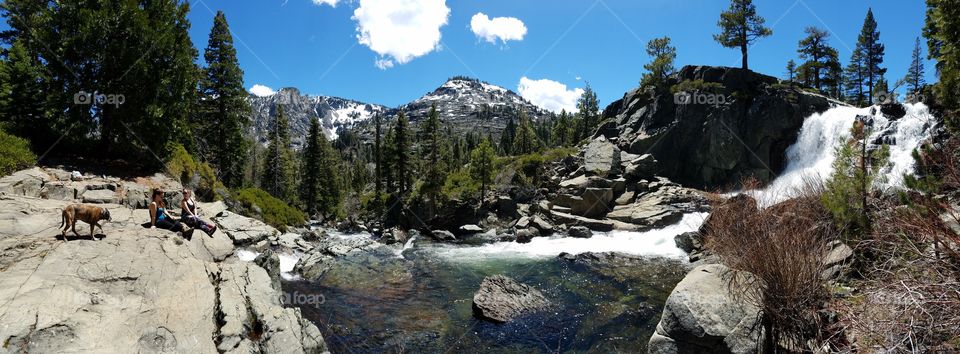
x,y
812,156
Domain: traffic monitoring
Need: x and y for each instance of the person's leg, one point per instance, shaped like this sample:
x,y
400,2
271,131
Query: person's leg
x,y
167,224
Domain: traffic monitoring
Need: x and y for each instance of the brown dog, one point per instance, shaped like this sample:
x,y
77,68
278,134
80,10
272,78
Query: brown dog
x,y
79,212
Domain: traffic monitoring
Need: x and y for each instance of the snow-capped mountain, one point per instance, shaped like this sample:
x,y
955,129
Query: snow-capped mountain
x,y
465,105
468,104
334,113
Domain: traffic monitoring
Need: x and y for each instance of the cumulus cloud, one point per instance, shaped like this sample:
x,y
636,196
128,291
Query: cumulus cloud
x,y
502,28
550,95
400,30
332,3
262,91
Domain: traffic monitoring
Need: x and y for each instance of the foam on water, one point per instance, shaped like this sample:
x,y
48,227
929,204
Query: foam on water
x,y
658,242
811,157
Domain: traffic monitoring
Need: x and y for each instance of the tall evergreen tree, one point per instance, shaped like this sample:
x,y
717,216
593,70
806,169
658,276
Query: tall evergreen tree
x,y
277,177
312,161
481,164
589,111
791,70
942,31
818,53
562,130
854,79
661,65
22,94
871,52
915,72
320,188
430,149
135,55
507,137
224,107
401,154
740,26
377,157
526,141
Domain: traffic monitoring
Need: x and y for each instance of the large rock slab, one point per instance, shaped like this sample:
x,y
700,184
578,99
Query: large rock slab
x,y
701,315
24,183
243,230
101,196
136,290
601,157
501,299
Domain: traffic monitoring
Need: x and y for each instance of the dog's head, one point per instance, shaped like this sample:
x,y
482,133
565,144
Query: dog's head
x,y
106,214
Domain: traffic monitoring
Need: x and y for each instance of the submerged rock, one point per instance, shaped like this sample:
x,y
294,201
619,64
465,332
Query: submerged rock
x,y
580,232
501,299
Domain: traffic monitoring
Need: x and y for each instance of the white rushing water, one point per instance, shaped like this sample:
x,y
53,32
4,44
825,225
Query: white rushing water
x,y
811,157
287,261
658,242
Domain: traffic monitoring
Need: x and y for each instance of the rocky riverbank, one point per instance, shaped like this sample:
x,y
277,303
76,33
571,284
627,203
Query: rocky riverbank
x,y
133,288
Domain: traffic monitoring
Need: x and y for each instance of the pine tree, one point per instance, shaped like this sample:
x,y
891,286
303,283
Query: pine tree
x,y
850,186
21,93
526,141
312,165
942,31
377,157
137,53
225,110
914,77
740,26
854,78
791,70
820,56
871,52
507,137
561,130
431,149
589,111
661,65
401,154
277,177
481,164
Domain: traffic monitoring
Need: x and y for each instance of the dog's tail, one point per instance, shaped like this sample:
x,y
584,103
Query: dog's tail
x,y
63,218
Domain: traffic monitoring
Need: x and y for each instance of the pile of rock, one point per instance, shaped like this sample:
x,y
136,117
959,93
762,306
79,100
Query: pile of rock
x,y
618,190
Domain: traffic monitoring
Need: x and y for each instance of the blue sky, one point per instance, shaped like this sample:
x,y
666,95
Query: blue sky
x,y
314,46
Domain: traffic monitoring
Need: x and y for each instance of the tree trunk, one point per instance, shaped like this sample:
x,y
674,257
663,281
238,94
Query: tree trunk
x,y
743,52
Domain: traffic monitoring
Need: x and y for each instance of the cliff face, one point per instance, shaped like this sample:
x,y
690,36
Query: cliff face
x,y
719,125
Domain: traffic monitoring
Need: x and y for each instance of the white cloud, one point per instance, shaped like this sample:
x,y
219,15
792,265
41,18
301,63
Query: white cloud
x,y
262,91
384,64
400,30
332,3
503,28
550,95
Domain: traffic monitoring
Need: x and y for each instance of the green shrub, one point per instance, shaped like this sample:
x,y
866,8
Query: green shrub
x,y
460,184
850,187
257,203
197,175
15,154
696,86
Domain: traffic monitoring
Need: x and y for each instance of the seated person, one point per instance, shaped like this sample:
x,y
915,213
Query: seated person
x,y
188,214
160,216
